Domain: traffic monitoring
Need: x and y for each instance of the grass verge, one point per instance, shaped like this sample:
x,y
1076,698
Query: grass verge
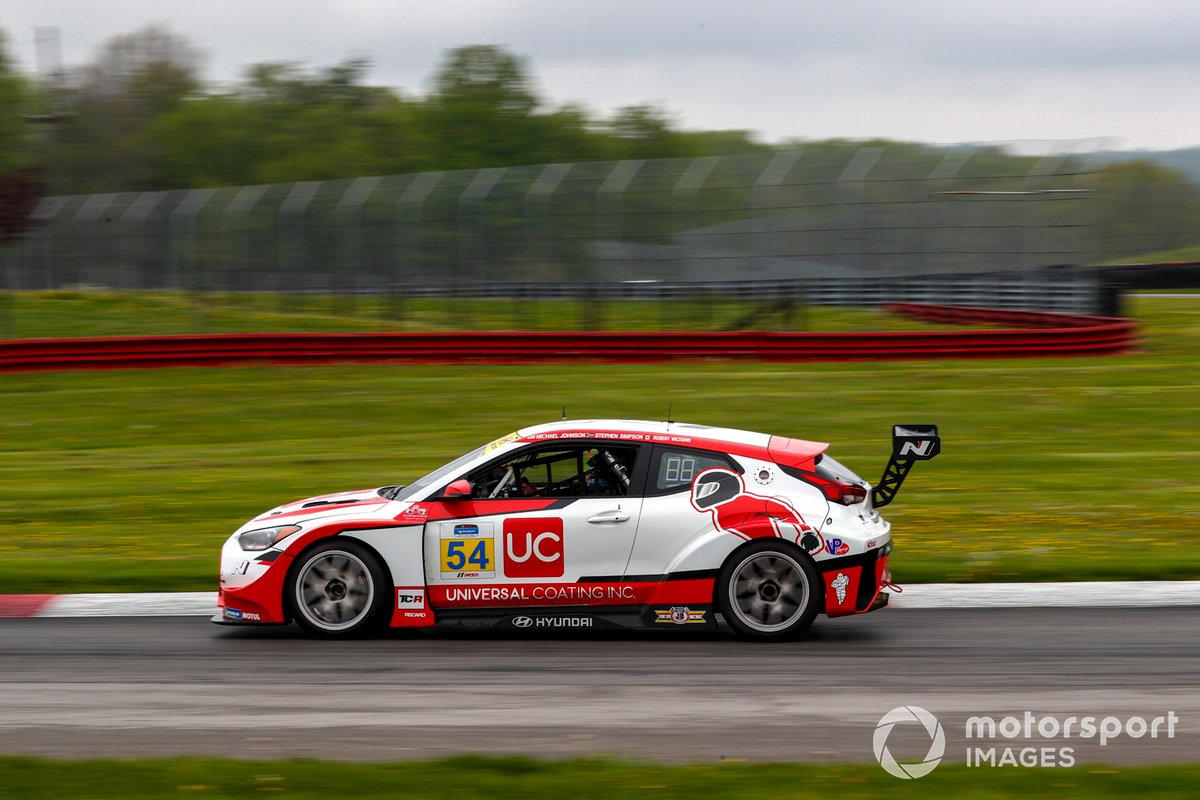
x,y
1053,469
529,779
95,312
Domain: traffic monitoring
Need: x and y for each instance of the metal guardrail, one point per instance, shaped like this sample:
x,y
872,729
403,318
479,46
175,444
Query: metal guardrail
x,y
1068,291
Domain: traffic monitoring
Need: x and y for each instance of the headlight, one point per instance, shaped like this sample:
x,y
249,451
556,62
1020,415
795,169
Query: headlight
x,y
264,538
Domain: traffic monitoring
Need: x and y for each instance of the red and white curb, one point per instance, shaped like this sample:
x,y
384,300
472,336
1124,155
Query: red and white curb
x,y
1080,594
140,604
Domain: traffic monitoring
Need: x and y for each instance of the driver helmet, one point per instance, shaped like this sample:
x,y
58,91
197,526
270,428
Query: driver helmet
x,y
714,487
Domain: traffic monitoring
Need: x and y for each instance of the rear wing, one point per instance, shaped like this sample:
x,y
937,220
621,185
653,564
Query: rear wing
x,y
910,444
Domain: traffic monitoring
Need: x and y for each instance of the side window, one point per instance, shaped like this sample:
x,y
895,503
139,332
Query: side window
x,y
570,471
675,468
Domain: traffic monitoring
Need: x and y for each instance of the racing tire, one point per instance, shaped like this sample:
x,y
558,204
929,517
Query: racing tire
x,y
769,591
338,588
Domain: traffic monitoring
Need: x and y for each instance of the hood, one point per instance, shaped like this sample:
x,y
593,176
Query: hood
x,y
325,505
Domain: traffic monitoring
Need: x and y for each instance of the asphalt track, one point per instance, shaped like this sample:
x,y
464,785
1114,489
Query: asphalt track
x,y
130,686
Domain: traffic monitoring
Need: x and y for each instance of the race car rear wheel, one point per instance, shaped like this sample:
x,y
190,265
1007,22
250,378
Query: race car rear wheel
x,y
338,589
769,591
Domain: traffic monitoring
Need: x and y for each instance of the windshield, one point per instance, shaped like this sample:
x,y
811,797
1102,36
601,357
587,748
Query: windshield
x,y
440,475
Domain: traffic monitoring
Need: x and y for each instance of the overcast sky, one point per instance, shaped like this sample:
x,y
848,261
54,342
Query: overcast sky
x,y
926,70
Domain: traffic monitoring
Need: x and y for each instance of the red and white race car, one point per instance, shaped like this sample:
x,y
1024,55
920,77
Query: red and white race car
x,y
584,524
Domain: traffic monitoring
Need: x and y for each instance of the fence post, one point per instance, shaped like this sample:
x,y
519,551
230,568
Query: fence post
x,y
413,197
472,252
542,189
612,188
241,205
1037,190
766,193
685,192
471,209
183,248
350,257
1093,165
294,206
937,223
138,214
90,214
849,209
46,213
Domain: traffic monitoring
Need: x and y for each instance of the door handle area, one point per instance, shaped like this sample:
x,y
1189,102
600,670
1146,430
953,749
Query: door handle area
x,y
608,516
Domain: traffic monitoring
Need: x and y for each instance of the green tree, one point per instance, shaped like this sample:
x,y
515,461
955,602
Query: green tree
x,y
644,131
135,79
481,111
15,102
1141,207
206,142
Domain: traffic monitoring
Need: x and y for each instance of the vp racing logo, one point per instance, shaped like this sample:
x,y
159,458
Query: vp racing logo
x,y
937,742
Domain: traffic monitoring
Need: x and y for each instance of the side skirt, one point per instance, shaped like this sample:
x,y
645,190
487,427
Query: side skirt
x,y
558,618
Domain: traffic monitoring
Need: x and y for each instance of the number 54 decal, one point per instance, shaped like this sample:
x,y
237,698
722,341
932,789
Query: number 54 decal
x,y
467,551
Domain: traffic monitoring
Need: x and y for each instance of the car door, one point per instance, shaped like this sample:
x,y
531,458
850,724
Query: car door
x,y
546,525
670,526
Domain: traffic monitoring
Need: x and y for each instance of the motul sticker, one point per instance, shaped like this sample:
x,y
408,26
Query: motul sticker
x,y
533,547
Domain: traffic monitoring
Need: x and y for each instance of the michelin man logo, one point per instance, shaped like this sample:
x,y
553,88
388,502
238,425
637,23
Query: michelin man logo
x,y
839,585
937,742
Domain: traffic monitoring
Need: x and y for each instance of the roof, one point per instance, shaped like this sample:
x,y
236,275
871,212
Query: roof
x,y
798,453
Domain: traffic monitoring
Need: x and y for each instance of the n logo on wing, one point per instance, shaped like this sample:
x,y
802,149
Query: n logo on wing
x,y
916,448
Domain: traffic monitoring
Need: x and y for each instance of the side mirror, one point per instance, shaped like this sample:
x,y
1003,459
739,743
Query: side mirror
x,y
458,490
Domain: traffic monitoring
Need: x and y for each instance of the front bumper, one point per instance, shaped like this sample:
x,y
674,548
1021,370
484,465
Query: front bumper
x,y
220,618
252,586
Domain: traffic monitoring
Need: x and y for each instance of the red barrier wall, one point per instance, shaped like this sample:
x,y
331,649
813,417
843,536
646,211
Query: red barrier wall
x,y
1036,334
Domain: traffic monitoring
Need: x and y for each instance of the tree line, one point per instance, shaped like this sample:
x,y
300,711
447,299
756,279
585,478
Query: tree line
x,y
140,117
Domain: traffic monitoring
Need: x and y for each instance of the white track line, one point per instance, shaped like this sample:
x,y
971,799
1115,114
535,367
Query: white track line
x,y
1109,594
1079,594
142,604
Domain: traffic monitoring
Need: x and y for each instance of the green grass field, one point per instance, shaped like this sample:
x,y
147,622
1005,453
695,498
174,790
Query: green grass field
x,y
32,315
529,779
1073,468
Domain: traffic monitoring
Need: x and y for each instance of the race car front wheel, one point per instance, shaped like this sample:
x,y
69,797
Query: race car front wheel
x,y
769,591
338,589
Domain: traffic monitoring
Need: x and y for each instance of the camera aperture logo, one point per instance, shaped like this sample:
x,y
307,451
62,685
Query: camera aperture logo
x,y
1029,740
937,742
